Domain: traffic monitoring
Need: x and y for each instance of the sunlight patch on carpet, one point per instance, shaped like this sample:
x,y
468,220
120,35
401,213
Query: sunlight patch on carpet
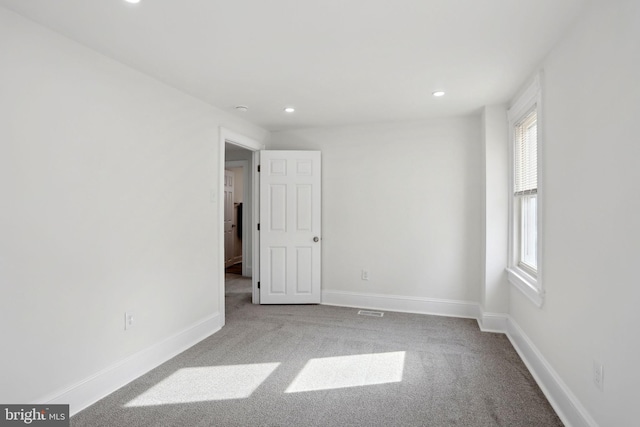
x,y
206,383
349,371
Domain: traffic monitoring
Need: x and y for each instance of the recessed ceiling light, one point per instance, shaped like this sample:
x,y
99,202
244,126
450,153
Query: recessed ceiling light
x,y
289,110
438,93
133,1
242,108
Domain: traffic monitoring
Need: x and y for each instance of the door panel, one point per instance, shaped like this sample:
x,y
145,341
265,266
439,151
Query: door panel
x,y
290,257
304,261
277,269
277,203
304,207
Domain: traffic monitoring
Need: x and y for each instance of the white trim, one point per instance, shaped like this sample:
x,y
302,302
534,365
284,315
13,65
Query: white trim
x,y
487,322
563,401
255,265
540,199
227,135
493,322
438,307
532,287
520,281
95,387
527,99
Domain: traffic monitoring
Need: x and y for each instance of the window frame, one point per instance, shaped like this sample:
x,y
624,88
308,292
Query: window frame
x,y
523,277
520,256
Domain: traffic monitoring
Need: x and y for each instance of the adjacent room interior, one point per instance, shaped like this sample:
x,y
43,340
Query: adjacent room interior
x,y
131,286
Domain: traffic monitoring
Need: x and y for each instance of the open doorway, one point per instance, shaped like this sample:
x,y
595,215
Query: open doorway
x,y
237,224
239,156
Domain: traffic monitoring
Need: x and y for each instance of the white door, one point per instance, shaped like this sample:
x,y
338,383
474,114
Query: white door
x,y
228,218
290,234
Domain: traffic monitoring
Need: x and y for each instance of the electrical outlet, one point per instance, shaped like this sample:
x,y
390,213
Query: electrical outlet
x,y
365,274
128,321
598,375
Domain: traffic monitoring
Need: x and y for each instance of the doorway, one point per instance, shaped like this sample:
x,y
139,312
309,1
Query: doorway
x,y
238,151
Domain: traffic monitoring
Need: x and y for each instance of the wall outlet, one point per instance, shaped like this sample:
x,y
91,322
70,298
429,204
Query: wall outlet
x,y
598,375
128,320
365,274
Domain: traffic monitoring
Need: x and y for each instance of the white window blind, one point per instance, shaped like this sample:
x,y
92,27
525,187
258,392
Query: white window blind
x,y
526,156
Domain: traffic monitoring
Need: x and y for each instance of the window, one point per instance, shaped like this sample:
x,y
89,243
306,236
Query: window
x,y
524,221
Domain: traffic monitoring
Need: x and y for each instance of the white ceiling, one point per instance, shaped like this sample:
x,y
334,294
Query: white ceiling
x,y
337,61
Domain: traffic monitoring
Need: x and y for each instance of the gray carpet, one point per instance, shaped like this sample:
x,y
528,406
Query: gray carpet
x,y
328,366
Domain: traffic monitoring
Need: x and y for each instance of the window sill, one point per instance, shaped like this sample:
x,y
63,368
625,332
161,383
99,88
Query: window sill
x,y
527,285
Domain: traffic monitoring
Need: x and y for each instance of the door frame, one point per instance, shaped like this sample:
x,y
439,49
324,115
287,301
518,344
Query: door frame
x,y
228,136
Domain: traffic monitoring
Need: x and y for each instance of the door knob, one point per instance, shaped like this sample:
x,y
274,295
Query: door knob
x,y
316,239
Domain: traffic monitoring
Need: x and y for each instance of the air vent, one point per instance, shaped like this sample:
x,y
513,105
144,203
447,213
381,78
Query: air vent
x,y
371,313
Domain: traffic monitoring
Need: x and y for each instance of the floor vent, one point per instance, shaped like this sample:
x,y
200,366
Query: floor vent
x,y
371,313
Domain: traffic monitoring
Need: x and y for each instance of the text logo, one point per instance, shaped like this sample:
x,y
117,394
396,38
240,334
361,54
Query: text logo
x,y
34,415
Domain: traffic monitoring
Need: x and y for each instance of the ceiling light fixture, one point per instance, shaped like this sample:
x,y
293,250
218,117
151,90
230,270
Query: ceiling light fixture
x,y
438,93
242,108
289,110
133,1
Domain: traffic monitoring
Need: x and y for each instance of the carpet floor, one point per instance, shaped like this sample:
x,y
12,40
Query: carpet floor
x,y
315,365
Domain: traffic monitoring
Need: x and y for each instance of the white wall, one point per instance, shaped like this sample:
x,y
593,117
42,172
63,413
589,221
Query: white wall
x,y
403,201
591,211
105,176
495,167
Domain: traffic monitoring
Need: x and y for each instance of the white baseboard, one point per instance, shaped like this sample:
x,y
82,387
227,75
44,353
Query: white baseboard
x,y
91,389
564,402
438,307
493,322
